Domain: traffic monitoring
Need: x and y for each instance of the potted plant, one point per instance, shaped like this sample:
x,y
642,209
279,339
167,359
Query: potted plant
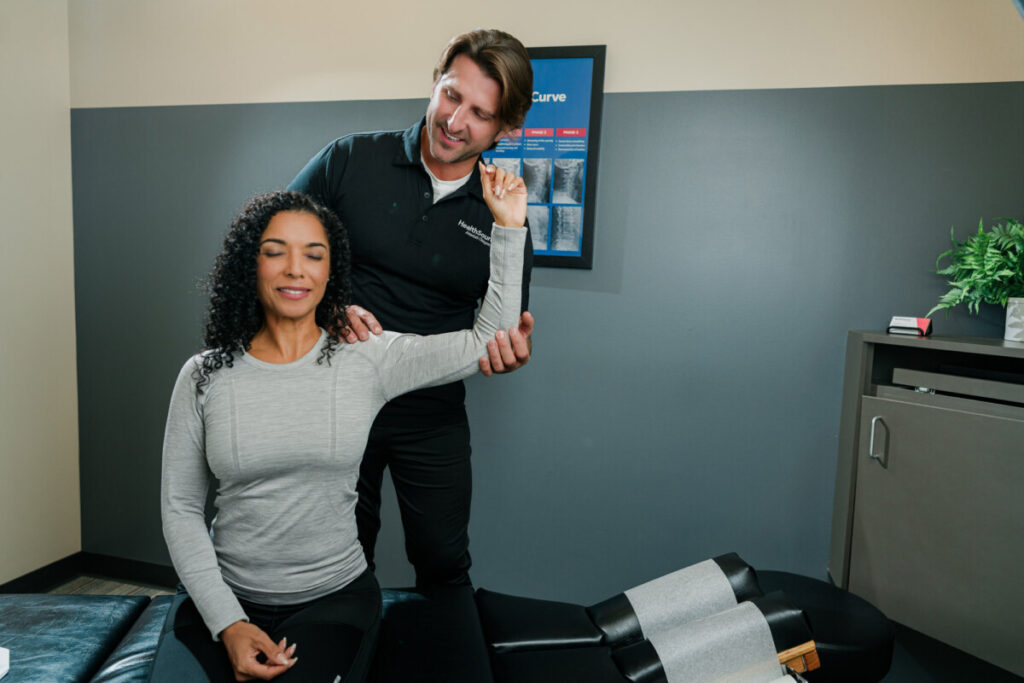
x,y
988,267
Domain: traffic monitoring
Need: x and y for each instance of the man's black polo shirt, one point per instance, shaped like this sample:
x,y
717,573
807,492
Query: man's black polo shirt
x,y
418,266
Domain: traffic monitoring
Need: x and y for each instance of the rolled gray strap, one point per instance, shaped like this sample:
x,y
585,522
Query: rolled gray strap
x,y
734,646
690,593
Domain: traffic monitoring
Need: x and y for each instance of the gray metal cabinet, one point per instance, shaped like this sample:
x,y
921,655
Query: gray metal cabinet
x,y
929,509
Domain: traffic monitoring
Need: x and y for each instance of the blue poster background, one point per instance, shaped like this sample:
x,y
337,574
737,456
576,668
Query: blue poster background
x,y
551,153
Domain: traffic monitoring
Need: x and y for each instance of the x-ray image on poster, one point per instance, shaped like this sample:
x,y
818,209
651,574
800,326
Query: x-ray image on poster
x,y
537,176
538,216
565,227
556,153
568,181
509,164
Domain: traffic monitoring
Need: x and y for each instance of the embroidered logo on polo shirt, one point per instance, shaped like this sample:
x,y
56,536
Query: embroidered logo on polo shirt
x,y
475,233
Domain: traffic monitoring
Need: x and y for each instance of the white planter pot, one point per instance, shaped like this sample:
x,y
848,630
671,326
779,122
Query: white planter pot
x,y
1014,319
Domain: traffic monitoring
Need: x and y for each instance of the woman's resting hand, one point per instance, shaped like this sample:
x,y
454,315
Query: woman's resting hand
x,y
244,642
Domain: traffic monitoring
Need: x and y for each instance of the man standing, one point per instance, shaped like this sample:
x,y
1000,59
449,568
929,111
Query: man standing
x,y
420,234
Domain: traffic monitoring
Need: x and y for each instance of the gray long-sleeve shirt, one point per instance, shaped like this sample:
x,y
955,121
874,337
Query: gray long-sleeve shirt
x,y
285,442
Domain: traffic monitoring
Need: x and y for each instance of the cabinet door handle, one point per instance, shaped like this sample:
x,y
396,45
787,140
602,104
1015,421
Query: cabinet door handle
x,y
884,462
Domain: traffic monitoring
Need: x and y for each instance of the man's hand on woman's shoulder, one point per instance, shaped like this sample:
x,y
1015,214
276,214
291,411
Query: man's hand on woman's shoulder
x,y
360,324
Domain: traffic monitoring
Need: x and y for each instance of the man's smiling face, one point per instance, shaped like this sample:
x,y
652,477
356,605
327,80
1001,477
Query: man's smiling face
x,y
462,119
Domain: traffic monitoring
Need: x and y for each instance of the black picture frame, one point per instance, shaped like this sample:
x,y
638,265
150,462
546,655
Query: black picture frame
x,y
551,158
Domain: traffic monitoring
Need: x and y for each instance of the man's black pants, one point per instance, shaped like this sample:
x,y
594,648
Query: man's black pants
x,y
433,478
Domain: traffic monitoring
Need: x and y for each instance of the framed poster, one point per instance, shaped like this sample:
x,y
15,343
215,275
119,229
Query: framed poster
x,y
557,153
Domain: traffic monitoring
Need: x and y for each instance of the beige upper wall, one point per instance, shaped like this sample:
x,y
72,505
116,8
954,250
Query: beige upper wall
x,y
144,52
40,519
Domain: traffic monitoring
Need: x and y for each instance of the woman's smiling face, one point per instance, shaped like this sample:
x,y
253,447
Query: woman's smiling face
x,y
293,266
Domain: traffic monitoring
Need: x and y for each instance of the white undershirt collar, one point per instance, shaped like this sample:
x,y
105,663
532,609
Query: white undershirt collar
x,y
443,188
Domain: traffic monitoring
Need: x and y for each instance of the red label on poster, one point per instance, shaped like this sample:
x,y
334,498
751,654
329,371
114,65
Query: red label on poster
x,y
572,132
539,132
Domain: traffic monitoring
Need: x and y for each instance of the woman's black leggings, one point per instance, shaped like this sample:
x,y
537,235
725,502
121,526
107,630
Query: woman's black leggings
x,y
336,636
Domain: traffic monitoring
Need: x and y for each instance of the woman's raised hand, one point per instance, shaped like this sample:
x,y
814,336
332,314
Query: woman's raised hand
x,y
505,194
244,643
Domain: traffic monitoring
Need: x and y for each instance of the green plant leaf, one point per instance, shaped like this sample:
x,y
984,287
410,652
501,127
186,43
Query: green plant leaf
x,y
987,267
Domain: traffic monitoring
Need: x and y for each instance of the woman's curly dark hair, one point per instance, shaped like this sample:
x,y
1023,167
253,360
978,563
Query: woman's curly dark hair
x,y
235,314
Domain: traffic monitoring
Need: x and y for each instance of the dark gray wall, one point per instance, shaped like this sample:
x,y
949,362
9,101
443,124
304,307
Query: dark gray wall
x,y
684,396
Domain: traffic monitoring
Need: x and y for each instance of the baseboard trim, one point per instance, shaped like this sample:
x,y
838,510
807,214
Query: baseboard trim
x,y
119,568
45,578
123,569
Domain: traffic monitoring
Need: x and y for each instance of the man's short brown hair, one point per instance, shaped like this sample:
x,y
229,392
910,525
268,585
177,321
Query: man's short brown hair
x,y
504,59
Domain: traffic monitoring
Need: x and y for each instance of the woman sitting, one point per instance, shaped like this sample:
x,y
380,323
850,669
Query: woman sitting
x,y
278,412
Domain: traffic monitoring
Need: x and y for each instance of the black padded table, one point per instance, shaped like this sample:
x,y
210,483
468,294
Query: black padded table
x,y
63,637
854,640
425,637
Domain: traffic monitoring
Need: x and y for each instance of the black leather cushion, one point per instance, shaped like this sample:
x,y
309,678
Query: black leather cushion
x,y
788,624
513,623
853,638
640,663
430,636
132,659
617,620
63,637
741,575
578,665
